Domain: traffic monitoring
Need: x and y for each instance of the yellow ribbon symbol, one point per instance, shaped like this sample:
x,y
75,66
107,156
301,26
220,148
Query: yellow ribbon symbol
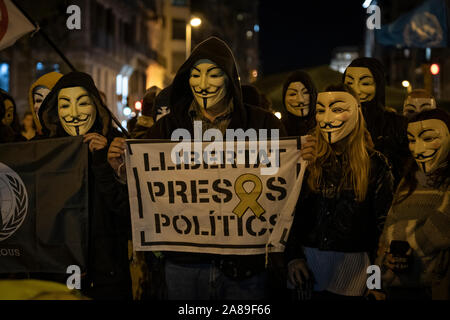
x,y
248,199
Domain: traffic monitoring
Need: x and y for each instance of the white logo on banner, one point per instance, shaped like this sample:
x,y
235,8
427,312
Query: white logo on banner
x,y
13,202
224,207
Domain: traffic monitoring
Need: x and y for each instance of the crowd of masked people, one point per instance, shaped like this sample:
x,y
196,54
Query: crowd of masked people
x,y
375,192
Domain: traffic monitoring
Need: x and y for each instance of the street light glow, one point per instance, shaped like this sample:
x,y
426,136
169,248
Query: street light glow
x,y
195,22
405,83
126,111
434,69
366,4
138,105
278,115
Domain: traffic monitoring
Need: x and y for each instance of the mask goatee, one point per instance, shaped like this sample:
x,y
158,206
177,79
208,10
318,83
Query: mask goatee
x,y
424,167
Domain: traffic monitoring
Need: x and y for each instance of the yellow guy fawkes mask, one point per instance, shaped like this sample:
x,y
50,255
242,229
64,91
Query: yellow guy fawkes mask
x,y
361,80
76,110
297,99
208,83
38,97
429,142
413,106
9,112
336,115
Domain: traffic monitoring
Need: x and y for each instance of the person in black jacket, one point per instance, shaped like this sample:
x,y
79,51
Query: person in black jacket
x,y
387,129
74,107
299,103
206,88
345,197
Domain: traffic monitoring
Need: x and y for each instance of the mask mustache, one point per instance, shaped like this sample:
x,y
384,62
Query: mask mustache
x,y
77,119
330,126
205,92
423,157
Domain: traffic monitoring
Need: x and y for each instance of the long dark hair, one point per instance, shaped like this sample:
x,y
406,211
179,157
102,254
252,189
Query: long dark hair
x,y
440,177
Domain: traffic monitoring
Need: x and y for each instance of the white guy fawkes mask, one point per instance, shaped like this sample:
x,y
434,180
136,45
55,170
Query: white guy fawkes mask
x,y
429,142
361,80
336,115
297,99
208,83
413,106
76,110
9,112
38,97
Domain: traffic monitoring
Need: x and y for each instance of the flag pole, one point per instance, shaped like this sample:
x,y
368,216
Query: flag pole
x,y
42,32
59,52
52,44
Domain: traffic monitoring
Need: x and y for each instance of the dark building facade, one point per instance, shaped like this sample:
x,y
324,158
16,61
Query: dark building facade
x,y
236,22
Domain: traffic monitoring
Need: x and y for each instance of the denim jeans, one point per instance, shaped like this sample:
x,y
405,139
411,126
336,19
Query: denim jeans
x,y
207,282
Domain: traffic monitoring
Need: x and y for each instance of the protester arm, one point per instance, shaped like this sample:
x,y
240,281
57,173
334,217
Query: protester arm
x,y
115,193
434,234
382,197
294,248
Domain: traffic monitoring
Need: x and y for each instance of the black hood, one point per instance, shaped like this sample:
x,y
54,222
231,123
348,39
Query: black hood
x,y
373,110
377,69
15,125
48,112
217,51
300,125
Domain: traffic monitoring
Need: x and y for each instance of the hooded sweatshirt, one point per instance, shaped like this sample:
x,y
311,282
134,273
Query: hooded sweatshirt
x,y
48,113
48,80
300,126
387,129
244,117
108,266
181,96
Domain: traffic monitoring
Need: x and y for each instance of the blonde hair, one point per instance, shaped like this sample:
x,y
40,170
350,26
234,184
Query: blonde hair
x,y
355,153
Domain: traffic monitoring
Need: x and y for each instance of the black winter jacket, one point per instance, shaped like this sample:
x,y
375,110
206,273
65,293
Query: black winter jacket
x,y
335,221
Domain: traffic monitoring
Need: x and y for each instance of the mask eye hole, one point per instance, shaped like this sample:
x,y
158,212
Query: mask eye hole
x,y
429,139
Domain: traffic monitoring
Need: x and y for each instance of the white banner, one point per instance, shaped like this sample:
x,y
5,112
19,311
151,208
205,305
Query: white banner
x,y
224,207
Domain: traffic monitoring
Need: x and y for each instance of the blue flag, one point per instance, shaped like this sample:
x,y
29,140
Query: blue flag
x,y
424,27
